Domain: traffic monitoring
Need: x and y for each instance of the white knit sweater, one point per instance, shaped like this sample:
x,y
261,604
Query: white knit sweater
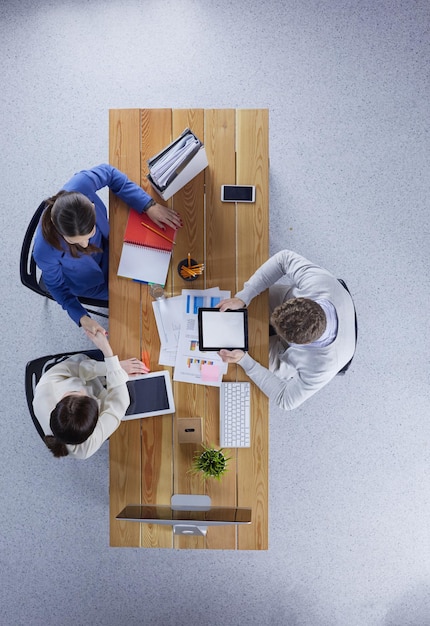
x,y
295,373
81,373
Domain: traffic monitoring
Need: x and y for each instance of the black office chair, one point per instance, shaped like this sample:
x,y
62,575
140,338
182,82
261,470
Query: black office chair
x,y
30,274
36,368
345,368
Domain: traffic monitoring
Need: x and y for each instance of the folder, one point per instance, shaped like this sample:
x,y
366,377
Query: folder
x,y
177,164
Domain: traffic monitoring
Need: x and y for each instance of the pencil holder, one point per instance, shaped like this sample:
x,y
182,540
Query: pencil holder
x,y
186,267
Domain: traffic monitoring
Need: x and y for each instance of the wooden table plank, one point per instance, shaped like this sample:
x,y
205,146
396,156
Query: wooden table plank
x,y
124,330
220,240
156,432
189,202
220,138
252,251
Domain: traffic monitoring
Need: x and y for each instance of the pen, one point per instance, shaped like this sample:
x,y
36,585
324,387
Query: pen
x,y
145,358
157,232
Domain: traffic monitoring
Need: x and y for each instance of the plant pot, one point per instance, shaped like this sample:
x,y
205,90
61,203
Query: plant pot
x,y
211,463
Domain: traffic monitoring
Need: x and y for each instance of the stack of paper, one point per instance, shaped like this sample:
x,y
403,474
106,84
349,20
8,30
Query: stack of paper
x,y
167,166
177,164
177,323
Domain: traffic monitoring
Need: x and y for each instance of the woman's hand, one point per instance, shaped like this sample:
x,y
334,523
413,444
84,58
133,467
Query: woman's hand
x,y
230,303
134,366
231,356
101,342
91,326
161,215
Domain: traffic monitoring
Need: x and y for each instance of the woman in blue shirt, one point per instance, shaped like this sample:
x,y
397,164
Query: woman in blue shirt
x,y
72,240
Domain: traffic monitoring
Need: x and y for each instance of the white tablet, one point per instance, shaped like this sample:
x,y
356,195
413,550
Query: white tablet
x,y
223,329
150,394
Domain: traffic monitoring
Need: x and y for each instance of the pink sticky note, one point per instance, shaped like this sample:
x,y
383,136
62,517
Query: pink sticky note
x,y
210,373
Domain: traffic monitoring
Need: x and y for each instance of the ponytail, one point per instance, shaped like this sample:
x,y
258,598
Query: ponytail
x,y
57,448
49,232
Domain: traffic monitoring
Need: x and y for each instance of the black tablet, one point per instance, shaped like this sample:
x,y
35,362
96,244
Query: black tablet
x,y
223,329
150,394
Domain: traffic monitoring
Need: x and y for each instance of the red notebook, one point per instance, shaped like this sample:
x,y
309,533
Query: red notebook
x,y
146,254
143,236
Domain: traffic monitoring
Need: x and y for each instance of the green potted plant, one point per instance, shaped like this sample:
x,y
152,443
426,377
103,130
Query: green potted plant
x,y
212,463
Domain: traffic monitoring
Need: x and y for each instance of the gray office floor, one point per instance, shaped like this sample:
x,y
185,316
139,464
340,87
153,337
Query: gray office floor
x,y
347,86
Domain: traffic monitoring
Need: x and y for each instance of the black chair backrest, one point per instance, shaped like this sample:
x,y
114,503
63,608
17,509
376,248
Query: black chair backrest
x,y
35,369
28,269
27,265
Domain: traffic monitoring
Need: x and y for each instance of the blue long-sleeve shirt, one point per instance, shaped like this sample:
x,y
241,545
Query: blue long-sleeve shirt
x,y
67,277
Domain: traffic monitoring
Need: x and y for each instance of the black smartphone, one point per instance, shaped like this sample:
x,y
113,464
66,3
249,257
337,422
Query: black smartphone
x,y
238,193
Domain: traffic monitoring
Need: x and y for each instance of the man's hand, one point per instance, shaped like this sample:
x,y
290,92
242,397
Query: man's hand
x,y
161,215
134,366
231,356
230,303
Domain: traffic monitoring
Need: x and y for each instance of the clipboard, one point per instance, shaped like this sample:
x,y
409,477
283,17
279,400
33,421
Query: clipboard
x,y
223,329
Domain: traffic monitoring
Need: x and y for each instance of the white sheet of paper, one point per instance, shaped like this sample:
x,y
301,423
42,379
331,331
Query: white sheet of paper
x,y
190,362
144,264
168,316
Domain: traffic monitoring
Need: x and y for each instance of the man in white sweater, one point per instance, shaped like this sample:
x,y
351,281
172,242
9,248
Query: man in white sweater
x,y
314,319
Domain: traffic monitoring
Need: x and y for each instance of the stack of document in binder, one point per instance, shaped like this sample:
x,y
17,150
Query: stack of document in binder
x,y
176,165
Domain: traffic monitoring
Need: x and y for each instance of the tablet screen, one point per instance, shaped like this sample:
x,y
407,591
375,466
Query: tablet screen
x,y
150,394
223,329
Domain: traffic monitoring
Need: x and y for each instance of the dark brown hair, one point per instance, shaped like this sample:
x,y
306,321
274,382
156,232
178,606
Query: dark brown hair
x,y
72,421
69,214
299,320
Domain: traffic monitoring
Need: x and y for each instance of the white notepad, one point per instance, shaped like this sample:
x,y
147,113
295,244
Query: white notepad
x,y
145,264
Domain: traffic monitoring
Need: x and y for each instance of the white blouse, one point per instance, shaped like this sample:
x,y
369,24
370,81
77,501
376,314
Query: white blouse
x,y
79,373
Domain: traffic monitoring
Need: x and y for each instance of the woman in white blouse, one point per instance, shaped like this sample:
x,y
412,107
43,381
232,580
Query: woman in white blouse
x,y
80,402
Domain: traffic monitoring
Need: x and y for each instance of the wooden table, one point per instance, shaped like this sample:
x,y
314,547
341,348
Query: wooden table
x,y
147,464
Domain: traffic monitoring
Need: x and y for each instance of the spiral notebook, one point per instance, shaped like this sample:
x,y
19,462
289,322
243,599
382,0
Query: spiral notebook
x,y
146,250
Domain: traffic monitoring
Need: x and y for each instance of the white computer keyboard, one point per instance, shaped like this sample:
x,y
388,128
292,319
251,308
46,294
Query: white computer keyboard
x,y
235,415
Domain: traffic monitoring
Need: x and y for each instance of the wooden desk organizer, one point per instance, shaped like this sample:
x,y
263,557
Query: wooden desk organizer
x,y
190,429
